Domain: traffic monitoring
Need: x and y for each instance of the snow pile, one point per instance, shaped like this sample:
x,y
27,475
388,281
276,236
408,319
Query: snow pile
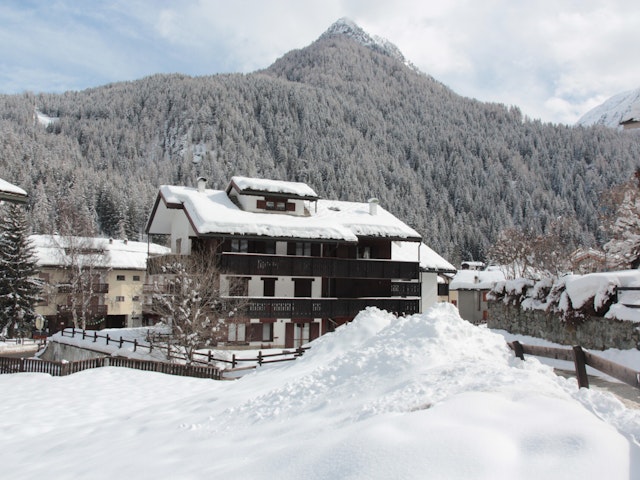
x,y
425,396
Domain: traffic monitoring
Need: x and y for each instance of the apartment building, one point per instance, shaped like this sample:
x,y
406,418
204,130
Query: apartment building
x,y
304,265
104,278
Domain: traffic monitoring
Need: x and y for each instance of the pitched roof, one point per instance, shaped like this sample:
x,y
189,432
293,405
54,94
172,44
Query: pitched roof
x,y
211,212
261,186
100,252
12,193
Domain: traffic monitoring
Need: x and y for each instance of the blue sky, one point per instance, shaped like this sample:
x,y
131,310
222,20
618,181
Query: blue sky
x,y
555,59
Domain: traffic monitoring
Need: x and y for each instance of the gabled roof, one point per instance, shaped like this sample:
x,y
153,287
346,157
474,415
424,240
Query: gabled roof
x,y
212,213
11,193
99,252
261,186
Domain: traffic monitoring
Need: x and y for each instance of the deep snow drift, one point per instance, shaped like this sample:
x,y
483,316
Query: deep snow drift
x,y
425,396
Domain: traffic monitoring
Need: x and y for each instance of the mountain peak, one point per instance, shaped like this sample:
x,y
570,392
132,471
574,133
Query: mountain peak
x,y
348,28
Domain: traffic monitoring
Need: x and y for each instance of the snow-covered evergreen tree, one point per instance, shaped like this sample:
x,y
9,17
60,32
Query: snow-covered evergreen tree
x,y
19,286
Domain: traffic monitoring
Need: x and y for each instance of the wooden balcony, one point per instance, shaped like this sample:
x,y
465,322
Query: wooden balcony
x,y
92,310
325,307
293,266
95,288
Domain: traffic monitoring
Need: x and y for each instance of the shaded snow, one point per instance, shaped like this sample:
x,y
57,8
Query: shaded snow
x,y
425,396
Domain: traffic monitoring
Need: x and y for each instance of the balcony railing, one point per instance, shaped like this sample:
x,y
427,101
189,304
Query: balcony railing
x,y
325,307
402,289
292,266
95,288
94,310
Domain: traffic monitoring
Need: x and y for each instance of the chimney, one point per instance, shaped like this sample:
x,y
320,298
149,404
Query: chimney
x,y
373,206
202,183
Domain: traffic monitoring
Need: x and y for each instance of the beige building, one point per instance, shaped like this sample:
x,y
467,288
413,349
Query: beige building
x,y
98,278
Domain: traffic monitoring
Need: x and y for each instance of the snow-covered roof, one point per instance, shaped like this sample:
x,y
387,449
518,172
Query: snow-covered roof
x,y
212,212
429,259
100,252
476,279
11,192
263,185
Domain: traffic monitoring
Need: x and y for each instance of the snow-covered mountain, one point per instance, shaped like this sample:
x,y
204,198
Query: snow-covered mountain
x,y
618,108
349,28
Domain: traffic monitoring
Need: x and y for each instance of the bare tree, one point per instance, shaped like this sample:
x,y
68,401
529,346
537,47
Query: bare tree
x,y
84,262
187,295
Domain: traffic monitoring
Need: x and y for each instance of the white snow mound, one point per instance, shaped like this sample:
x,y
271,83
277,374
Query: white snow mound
x,y
423,396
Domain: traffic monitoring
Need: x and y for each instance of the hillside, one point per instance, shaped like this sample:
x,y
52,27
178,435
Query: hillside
x,y
344,114
614,110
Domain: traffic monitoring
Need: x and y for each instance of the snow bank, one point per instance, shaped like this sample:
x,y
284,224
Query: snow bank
x,y
424,396
593,293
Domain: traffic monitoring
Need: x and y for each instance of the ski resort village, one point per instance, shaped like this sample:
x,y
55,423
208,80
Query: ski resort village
x,y
333,268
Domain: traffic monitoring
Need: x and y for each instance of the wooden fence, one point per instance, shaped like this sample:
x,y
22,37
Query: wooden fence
x,y
580,358
61,369
165,346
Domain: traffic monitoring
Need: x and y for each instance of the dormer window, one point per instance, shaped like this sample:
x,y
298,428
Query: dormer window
x,y
276,205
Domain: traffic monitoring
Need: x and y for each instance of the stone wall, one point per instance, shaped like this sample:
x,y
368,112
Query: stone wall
x,y
594,332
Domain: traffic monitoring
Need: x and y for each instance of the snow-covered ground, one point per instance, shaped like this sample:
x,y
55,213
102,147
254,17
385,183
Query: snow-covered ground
x,y
425,396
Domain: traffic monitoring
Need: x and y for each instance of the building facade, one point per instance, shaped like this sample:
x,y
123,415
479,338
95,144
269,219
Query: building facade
x,y
100,279
303,264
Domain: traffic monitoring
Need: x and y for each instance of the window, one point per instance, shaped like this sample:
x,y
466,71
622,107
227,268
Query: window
x,y
238,286
136,298
237,332
136,278
276,204
302,287
269,287
119,298
239,246
299,249
120,278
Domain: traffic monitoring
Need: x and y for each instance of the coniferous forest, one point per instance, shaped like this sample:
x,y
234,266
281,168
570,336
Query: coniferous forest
x,y
350,120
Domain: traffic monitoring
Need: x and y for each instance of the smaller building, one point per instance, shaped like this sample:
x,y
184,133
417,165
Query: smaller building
x,y
632,119
470,289
11,193
103,277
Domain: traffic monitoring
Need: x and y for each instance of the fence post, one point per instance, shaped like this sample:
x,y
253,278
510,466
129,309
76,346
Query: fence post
x,y
84,333
120,342
95,336
581,367
135,344
73,332
233,361
209,357
108,339
517,349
